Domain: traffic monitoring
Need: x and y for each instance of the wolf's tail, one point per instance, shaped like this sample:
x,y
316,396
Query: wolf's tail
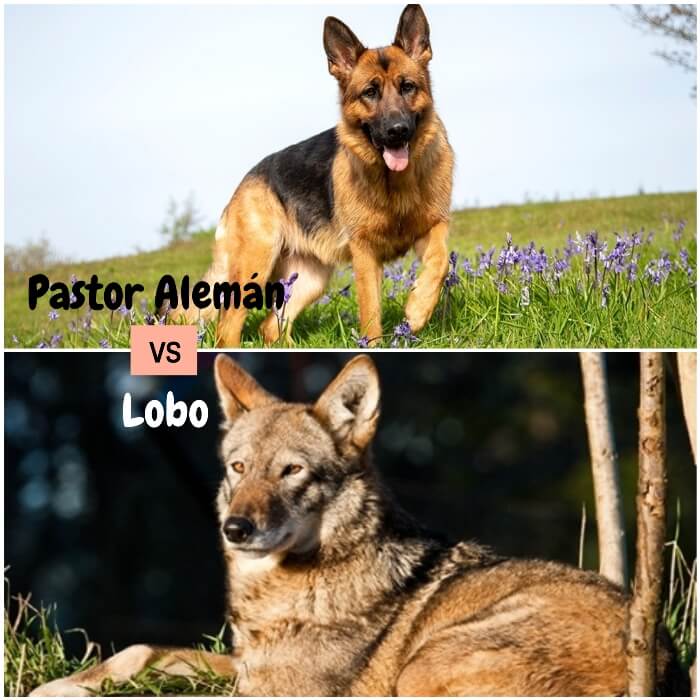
x,y
671,678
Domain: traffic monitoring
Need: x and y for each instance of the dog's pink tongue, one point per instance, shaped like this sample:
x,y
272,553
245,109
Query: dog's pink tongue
x,y
396,159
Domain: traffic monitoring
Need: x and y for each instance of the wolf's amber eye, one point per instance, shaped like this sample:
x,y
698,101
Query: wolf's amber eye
x,y
291,469
238,467
370,93
407,87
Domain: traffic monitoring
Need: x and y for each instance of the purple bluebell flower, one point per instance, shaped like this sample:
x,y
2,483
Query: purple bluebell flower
x,y
684,263
123,311
658,269
615,261
394,272
345,291
573,246
104,343
411,275
287,284
53,315
485,260
467,268
507,257
56,339
452,278
42,345
403,332
679,230
560,266
325,299
363,342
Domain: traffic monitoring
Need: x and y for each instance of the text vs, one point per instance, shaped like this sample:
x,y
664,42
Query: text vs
x,y
173,351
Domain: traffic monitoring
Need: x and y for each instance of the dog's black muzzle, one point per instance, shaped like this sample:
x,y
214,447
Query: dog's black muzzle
x,y
392,131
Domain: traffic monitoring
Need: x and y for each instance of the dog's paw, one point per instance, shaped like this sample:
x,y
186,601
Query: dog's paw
x,y
416,318
63,687
417,313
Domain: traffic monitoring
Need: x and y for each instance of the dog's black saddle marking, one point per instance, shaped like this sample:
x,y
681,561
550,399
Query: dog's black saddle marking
x,y
301,177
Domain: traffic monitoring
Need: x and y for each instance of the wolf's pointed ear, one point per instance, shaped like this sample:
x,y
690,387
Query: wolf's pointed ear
x,y
238,391
343,48
413,34
349,406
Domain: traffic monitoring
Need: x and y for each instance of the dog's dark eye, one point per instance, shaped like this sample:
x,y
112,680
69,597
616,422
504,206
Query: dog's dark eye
x,y
407,87
370,93
291,469
238,467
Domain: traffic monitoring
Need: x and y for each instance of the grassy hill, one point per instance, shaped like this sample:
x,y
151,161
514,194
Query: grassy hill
x,y
480,311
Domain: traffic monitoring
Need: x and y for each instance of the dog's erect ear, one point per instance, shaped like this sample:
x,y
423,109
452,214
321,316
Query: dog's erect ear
x,y
343,48
238,391
413,34
350,404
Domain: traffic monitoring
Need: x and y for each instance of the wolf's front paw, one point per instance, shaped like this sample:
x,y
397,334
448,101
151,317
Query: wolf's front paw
x,y
63,687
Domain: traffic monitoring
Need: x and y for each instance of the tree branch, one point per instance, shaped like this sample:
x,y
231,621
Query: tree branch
x,y
645,607
612,547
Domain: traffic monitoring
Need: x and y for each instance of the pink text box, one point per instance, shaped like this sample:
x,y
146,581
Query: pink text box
x,y
149,341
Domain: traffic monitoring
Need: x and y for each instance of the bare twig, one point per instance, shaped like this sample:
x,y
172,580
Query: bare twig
x,y
582,535
674,22
606,478
645,608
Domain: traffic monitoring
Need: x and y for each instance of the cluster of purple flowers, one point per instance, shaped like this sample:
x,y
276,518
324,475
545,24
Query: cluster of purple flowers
x,y
403,335
516,267
401,279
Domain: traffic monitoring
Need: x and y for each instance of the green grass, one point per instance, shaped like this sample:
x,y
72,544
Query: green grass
x,y
568,313
35,654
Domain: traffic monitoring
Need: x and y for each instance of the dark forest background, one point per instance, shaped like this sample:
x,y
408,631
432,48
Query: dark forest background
x,y
117,527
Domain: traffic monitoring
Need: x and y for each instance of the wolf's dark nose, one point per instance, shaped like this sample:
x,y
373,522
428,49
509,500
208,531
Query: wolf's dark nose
x,y
398,131
238,530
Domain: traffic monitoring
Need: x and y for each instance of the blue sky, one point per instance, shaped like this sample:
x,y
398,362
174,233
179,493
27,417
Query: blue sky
x,y
112,110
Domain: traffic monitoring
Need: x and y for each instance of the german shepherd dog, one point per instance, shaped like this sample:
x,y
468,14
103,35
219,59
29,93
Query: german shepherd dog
x,y
333,590
364,192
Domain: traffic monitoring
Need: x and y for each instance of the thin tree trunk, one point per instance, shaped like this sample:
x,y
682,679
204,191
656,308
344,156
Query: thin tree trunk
x,y
645,607
612,550
687,372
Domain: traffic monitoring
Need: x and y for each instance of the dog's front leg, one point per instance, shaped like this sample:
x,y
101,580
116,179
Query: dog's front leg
x,y
131,661
432,250
368,277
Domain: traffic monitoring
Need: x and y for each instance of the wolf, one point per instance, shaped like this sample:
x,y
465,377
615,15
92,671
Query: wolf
x,y
365,192
334,590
